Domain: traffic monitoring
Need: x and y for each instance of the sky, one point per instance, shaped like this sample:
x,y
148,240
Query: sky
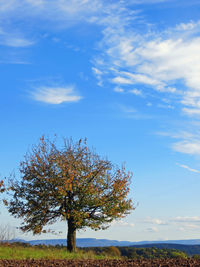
x,y
123,74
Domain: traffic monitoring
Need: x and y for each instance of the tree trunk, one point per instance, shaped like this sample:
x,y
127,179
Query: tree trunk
x,y
71,236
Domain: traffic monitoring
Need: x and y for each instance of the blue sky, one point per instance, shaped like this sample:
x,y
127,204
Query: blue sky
x,y
123,74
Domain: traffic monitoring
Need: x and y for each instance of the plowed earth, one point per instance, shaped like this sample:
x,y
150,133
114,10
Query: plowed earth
x,y
101,263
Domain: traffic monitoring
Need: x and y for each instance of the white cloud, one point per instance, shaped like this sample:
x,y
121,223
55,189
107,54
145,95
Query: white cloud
x,y
187,147
187,223
191,111
188,168
45,14
60,10
155,221
118,90
183,223
14,41
136,92
189,227
162,62
165,106
149,104
145,79
122,224
188,26
56,95
97,71
121,80
186,219
189,141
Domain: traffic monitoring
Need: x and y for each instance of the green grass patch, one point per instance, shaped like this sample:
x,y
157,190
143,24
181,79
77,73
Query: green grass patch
x,y
19,252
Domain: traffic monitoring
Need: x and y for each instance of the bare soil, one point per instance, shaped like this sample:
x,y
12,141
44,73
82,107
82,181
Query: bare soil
x,y
101,263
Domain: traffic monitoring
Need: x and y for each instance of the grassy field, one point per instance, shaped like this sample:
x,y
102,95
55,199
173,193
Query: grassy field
x,y
19,252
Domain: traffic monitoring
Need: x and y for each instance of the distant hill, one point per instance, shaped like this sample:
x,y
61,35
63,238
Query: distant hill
x,y
83,242
93,242
181,242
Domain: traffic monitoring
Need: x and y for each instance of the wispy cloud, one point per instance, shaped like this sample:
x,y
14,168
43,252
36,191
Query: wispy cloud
x,y
119,89
188,26
57,11
182,223
186,219
188,168
122,224
186,223
155,221
188,140
168,61
165,106
135,92
191,111
122,80
14,41
130,112
187,147
189,227
45,14
56,95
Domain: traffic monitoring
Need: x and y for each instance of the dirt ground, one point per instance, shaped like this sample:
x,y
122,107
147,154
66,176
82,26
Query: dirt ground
x,y
101,263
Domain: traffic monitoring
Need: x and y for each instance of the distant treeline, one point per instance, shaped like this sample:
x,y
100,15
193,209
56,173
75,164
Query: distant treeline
x,y
190,250
147,252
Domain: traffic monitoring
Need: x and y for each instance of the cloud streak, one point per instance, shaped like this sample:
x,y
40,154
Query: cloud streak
x,y
155,221
14,41
181,223
186,219
56,95
188,168
122,224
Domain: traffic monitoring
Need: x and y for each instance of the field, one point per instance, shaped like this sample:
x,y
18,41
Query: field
x,y
26,255
102,263
26,252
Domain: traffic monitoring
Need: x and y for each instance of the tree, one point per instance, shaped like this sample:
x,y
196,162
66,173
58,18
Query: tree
x,y
71,183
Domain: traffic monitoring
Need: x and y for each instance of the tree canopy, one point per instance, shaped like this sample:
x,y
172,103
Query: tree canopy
x,y
70,183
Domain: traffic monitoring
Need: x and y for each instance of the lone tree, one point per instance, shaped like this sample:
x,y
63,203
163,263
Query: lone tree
x,y
71,183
